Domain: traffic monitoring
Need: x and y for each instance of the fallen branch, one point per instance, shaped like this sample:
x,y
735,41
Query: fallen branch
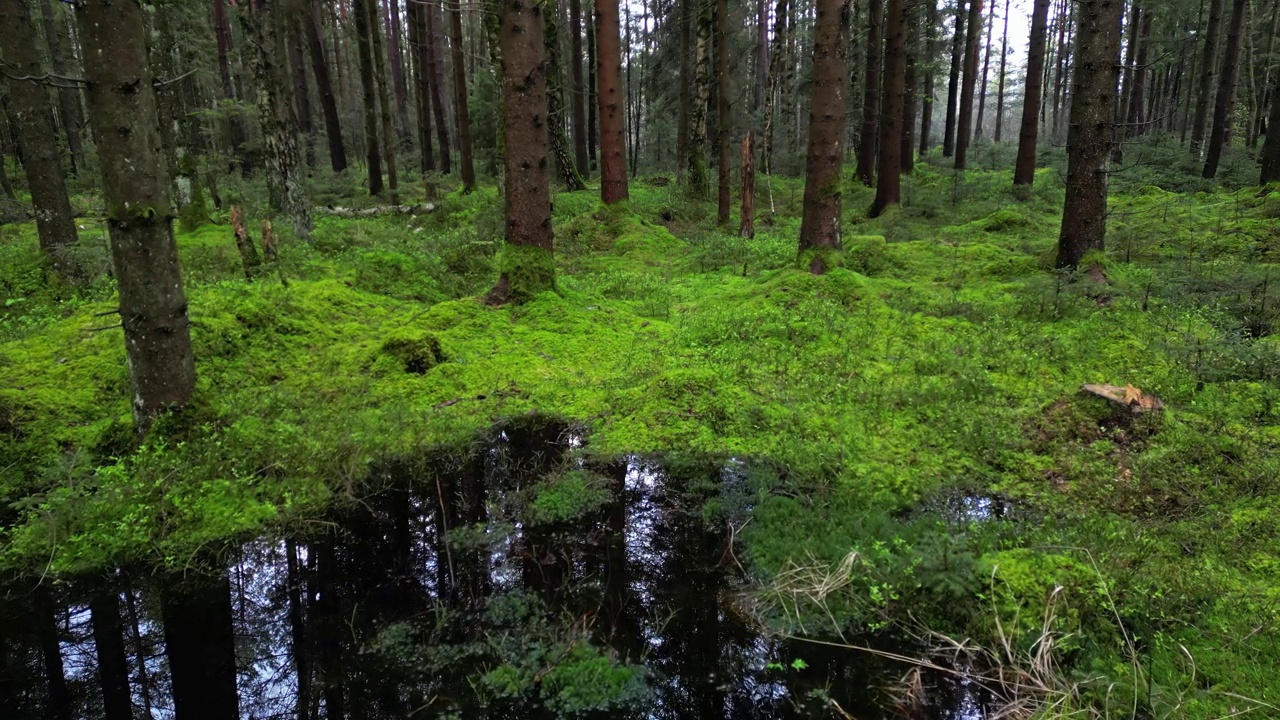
x,y
379,210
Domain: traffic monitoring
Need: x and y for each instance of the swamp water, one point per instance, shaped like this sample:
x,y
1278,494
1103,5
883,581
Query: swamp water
x,y
515,581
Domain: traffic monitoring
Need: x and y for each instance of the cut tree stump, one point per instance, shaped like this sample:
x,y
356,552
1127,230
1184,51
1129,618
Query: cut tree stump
x,y
1129,397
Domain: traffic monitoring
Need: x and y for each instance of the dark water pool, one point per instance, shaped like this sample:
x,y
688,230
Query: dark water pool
x,y
483,584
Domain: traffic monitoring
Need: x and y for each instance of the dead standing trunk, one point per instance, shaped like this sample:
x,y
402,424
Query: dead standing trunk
x,y
1093,95
422,80
1222,115
527,264
964,124
1024,171
820,225
871,93
888,187
747,215
153,306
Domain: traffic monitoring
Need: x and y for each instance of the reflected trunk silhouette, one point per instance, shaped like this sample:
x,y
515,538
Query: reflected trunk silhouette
x,y
108,639
200,644
59,707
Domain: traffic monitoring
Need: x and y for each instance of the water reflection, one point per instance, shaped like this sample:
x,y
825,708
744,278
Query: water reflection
x,y
441,594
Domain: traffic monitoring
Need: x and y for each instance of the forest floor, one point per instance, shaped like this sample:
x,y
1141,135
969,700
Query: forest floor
x,y
945,356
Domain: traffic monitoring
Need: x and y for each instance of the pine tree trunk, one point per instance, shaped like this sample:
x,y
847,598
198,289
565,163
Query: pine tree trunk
x,y
1004,58
1209,61
466,162
1126,87
108,641
68,96
46,621
592,97
1135,123
747,214
888,187
567,170
301,95
931,52
1084,213
527,265
396,56
33,129
435,66
776,56
1270,155
869,136
199,639
1024,172
1260,117
820,224
384,101
762,55
723,128
311,24
964,123
986,70
911,88
684,26
578,91
422,84
953,83
298,643
364,51
699,184
153,307
613,158
1222,115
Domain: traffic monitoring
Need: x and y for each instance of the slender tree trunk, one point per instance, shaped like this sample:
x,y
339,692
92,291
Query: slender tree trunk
x,y
1222,115
699,184
465,161
747,214
762,55
820,224
953,83
911,87
199,639
592,97
108,641
364,51
931,52
567,170
33,129
527,266
384,100
1066,16
964,124
139,653
1270,155
888,188
723,129
1024,172
871,93
311,24
579,92
68,95
59,707
986,74
395,51
329,630
776,57
1126,87
613,159
1207,73
422,83
1135,123
153,307
435,66
301,95
1004,58
298,644
1084,213
1260,116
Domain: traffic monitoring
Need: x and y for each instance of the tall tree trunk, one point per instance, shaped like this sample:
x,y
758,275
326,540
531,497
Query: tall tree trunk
x,y
964,124
395,51
1209,61
1270,155
384,101
435,66
776,57
311,24
723,129
592,97
329,628
871,93
139,653
762,55
301,95
747,214
579,92
907,139
888,190
699,185
820,224
264,28
1126,87
1066,16
953,82
199,640
298,645
1135,123
59,707
222,32
68,96
364,51
466,163
1222,115
1024,172
1004,58
527,266
613,159
422,83
1097,53
108,641
1260,116
153,307
931,53
986,70
567,170
34,130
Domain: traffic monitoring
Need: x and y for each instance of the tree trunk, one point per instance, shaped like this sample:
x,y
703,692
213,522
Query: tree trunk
x,y
68,95
1126,86
298,644
1270,155
888,187
384,101
422,81
579,92
907,139
329,628
1004,58
264,26
153,307
1066,16
1135,122
466,163
1024,172
723,129
199,641
964,124
953,83
364,50
301,96
311,24
762,55
567,170
139,653
435,66
820,224
395,52
986,70
527,265
1222,115
931,53
1084,213
776,56
699,185
871,93
59,707
592,97
747,215
613,158
33,128
1209,61
108,641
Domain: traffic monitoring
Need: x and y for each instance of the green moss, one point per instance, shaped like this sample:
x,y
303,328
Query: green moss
x,y
528,270
567,497
416,351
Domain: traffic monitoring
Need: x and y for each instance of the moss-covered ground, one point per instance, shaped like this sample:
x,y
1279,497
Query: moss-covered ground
x,y
944,355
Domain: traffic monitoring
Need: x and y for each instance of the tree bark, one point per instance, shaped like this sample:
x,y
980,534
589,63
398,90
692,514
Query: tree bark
x,y
301,96
579,92
364,51
953,83
466,162
68,96
1135,123
311,24
986,69
888,187
593,127
153,306
384,100
199,641
964,124
699,184
1024,172
298,645
613,158
1222,115
422,81
1126,85
776,56
1270,155
747,215
820,224
871,93
911,87
528,266
395,48
723,128
1209,61
567,170
33,129
1004,59
108,641
931,52
435,66
1097,54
